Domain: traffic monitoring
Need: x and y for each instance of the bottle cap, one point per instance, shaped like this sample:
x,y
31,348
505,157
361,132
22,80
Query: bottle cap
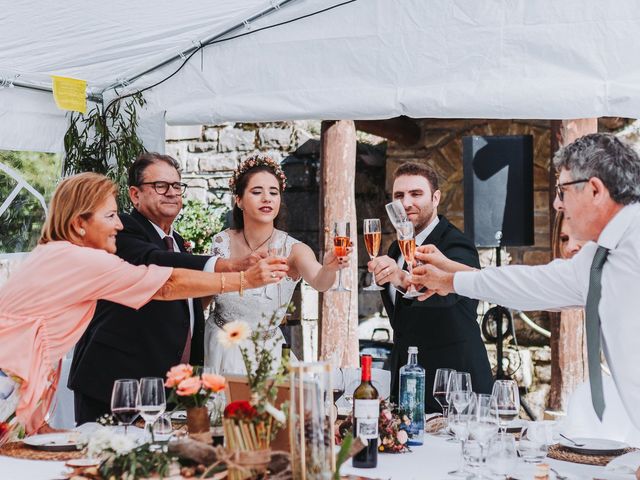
x,y
413,349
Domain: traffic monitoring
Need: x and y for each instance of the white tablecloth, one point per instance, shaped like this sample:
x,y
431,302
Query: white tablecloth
x,y
437,457
430,461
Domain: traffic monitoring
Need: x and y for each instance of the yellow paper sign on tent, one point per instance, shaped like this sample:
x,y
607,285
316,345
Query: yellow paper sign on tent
x,y
70,93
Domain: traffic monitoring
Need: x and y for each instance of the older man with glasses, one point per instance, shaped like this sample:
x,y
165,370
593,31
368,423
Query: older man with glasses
x,y
124,343
598,190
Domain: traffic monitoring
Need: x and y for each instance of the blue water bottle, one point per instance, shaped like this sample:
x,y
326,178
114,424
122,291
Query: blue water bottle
x,y
412,397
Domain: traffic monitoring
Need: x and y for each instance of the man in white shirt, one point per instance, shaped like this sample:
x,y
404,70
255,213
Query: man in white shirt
x,y
598,189
444,329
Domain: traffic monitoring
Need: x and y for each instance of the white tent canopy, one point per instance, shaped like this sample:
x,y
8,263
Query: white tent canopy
x,y
366,59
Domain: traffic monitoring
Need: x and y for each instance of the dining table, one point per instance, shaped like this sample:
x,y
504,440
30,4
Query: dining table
x,y
432,460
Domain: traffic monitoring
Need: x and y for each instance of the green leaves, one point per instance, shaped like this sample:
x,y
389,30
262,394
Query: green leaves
x,y
343,454
105,142
199,222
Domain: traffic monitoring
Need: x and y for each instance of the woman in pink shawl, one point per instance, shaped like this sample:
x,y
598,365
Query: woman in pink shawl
x,y
48,302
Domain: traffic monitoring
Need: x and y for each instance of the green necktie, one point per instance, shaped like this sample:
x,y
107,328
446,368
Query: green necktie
x,y
593,330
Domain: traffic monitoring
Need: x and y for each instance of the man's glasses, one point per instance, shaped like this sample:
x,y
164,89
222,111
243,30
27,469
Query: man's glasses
x,y
560,187
163,187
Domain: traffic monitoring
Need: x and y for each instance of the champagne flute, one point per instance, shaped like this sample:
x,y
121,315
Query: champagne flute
x,y
123,401
341,240
507,398
372,239
396,212
407,244
440,385
151,402
278,248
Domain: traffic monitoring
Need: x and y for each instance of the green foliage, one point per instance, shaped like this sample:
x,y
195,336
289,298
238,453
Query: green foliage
x,y
199,222
105,142
22,221
140,462
343,454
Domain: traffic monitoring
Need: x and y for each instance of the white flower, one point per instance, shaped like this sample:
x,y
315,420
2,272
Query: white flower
x,y
278,415
233,333
105,441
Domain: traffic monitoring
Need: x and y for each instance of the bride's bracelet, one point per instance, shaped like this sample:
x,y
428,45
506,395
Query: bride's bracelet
x,y
221,283
242,283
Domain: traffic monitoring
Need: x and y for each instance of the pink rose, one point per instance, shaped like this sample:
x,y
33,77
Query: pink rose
x,y
213,382
402,437
178,374
386,414
189,386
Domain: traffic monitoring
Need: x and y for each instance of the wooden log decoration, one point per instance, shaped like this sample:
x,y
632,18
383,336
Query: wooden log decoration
x,y
339,310
568,339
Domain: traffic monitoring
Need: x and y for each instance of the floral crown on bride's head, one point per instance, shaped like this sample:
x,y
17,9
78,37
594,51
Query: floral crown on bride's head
x,y
258,161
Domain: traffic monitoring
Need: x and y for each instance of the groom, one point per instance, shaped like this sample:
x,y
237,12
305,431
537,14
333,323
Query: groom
x,y
125,343
444,330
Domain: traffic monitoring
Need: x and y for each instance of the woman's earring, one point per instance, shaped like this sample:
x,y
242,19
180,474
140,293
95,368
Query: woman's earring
x,y
82,232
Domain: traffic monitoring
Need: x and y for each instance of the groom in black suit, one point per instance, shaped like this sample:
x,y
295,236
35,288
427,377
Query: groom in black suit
x,y
444,329
125,343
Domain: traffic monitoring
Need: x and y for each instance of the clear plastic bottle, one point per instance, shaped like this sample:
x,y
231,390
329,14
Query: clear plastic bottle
x,y
411,397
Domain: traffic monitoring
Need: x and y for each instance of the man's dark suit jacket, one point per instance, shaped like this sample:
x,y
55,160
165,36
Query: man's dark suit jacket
x,y
125,343
444,329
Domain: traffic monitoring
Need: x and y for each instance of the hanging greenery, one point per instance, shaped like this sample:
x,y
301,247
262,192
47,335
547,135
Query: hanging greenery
x,y
105,141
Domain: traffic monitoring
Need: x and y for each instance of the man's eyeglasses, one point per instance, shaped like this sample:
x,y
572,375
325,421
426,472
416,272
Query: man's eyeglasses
x,y
560,187
163,187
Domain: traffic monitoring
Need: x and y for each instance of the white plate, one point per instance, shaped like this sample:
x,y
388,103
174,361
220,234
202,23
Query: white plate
x,y
82,462
594,446
54,442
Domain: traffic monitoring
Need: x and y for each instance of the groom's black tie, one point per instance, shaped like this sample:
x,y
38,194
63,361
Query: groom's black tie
x,y
593,330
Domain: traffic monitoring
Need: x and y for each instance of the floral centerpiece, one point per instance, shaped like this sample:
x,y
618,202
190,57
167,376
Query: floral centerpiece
x,y
192,390
392,423
251,425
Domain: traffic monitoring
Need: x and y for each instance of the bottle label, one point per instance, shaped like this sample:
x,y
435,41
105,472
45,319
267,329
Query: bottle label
x,y
366,412
411,386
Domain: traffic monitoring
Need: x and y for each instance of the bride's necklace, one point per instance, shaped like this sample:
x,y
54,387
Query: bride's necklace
x,y
253,250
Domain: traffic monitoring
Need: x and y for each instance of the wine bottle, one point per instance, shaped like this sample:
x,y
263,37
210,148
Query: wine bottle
x,y
411,397
366,410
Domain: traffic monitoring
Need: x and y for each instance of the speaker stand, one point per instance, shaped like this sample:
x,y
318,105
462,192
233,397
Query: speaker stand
x,y
500,313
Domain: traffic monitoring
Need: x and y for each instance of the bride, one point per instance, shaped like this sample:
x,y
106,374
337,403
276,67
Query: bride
x,y
257,185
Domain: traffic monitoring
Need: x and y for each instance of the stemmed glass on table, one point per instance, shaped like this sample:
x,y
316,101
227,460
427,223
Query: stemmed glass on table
x,y
372,239
440,386
341,241
123,401
483,425
151,402
464,403
507,398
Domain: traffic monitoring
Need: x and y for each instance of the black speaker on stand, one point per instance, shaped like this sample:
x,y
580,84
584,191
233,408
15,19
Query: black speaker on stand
x,y
498,209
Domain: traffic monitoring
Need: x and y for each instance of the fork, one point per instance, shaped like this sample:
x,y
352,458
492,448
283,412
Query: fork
x,y
558,476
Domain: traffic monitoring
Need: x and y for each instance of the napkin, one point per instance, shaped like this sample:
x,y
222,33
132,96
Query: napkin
x,y
627,463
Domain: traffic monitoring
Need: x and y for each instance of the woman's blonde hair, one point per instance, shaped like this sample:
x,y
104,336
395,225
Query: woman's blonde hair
x,y
76,196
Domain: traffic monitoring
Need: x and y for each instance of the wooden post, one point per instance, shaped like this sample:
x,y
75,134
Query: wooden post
x,y
338,316
568,337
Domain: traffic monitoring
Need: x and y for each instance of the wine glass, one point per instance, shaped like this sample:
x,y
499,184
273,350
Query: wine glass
x,y
507,397
372,239
123,401
341,241
440,385
396,213
407,244
535,439
459,390
483,425
278,248
338,383
162,430
503,455
459,425
151,402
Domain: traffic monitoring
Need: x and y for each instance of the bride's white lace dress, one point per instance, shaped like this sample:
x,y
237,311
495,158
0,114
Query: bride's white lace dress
x,y
253,308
